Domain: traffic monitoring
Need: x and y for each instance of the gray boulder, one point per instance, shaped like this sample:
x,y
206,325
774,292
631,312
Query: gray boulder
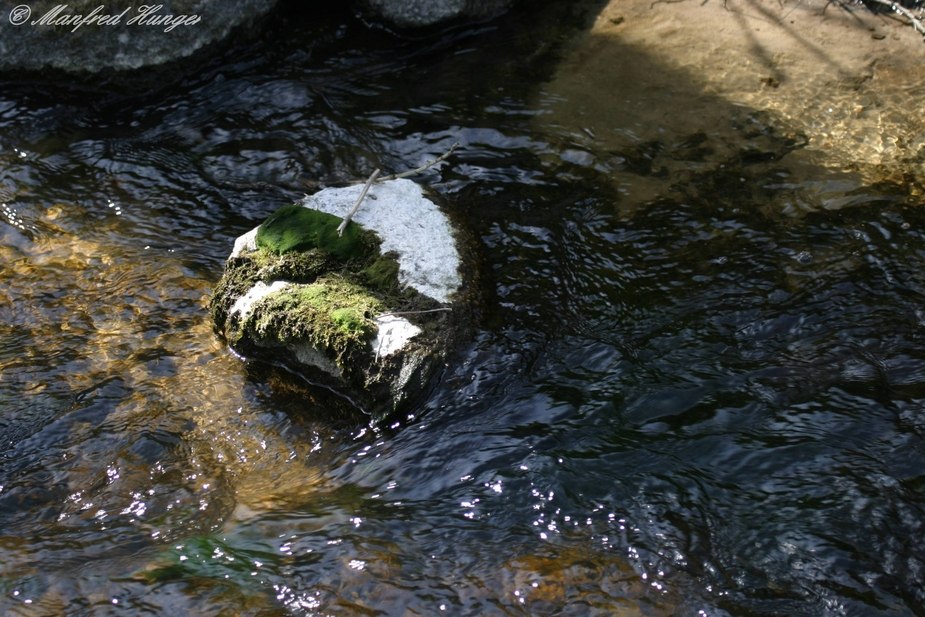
x,y
92,36
420,13
373,313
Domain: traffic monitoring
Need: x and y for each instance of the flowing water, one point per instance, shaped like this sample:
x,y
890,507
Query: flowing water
x,y
704,401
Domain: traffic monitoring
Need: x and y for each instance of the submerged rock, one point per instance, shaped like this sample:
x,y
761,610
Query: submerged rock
x,y
89,36
370,312
421,13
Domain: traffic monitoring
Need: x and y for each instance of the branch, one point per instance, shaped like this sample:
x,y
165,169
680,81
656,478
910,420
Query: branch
x,y
424,167
356,206
436,310
375,178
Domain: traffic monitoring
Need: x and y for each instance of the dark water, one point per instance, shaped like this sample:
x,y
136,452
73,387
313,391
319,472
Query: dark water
x,y
709,403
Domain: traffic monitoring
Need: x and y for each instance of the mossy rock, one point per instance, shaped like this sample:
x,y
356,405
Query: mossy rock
x,y
303,295
373,314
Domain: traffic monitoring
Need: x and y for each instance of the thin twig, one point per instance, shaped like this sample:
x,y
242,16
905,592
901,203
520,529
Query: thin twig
x,y
356,206
915,20
422,168
436,310
375,178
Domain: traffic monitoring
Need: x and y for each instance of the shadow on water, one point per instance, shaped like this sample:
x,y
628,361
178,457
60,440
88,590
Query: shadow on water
x,y
696,385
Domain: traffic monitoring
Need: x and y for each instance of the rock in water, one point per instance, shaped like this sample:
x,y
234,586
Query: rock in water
x,y
370,312
421,13
89,36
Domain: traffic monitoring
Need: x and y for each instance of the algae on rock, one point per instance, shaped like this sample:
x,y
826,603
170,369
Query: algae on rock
x,y
295,228
331,314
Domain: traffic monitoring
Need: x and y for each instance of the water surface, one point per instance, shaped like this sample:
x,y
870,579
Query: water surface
x,y
688,393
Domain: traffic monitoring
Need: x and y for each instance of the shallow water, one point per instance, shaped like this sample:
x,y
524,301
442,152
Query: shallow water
x,y
696,392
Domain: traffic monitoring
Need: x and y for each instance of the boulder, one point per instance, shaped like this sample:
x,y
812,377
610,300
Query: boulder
x,y
421,13
371,313
90,36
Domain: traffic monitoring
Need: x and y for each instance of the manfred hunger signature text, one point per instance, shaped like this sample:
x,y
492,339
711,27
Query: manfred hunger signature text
x,y
142,15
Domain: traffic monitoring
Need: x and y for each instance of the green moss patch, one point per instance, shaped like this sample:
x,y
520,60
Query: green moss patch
x,y
296,228
301,267
246,270
382,274
333,314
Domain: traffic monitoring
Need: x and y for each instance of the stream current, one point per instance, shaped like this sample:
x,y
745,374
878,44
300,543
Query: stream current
x,y
705,402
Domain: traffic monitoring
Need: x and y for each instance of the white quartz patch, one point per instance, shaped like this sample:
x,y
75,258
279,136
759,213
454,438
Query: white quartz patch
x,y
307,354
409,224
247,242
258,292
392,334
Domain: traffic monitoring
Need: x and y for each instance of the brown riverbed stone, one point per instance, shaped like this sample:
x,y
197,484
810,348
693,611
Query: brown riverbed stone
x,y
844,82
